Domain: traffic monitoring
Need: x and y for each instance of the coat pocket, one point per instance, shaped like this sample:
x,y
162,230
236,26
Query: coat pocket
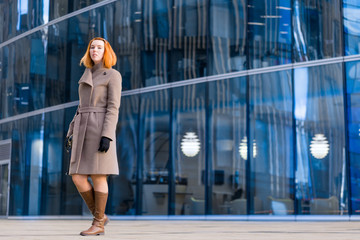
x,y
100,117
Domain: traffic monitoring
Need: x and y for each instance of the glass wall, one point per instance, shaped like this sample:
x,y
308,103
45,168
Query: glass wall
x,y
122,188
271,139
23,77
154,151
316,29
219,114
351,11
188,149
227,36
321,182
269,32
353,116
20,16
228,145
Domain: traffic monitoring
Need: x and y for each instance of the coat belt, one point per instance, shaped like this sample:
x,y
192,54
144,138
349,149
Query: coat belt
x,y
80,129
91,109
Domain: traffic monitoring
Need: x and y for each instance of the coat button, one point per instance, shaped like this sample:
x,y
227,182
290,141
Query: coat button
x,y
104,73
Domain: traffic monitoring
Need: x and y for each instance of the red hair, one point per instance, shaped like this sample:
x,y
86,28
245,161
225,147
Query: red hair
x,y
109,58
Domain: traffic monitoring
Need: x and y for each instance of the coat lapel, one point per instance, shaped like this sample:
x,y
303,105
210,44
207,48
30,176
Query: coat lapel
x,y
87,77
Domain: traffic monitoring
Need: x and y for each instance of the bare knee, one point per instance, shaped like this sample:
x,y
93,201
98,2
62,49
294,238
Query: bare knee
x,y
100,183
80,180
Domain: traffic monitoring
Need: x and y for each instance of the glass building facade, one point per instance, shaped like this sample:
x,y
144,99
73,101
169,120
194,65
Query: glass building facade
x,y
229,107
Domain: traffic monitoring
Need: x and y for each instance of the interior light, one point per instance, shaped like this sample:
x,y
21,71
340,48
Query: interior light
x,y
243,148
256,23
319,146
283,8
271,16
190,144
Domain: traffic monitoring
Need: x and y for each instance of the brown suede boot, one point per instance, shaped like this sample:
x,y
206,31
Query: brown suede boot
x,y
89,199
97,227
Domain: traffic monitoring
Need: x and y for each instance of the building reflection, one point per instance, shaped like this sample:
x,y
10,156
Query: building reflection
x,y
194,70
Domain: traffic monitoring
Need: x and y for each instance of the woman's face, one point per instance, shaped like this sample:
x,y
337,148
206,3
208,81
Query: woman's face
x,y
97,49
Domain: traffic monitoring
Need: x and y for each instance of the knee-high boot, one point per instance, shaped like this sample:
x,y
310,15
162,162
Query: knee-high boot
x,y
97,227
89,200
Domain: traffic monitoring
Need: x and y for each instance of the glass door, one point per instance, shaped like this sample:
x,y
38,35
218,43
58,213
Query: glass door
x,y
4,187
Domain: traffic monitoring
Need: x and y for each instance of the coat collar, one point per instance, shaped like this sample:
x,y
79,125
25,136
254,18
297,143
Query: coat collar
x,y
86,77
97,67
97,71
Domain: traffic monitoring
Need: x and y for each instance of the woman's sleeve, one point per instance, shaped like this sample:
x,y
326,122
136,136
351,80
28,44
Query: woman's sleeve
x,y
113,105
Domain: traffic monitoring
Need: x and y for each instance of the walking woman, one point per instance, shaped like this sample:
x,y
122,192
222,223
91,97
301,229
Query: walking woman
x,y
92,131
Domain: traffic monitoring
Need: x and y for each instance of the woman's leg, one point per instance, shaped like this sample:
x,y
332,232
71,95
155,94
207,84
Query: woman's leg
x,y
86,190
101,195
100,183
81,182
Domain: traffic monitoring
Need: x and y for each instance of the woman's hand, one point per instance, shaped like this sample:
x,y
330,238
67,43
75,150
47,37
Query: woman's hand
x,y
104,144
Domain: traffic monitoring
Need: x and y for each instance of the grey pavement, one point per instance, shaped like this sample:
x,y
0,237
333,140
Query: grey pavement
x,y
175,229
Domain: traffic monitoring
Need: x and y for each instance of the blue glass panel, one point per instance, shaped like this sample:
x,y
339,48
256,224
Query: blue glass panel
x,y
271,134
188,148
59,195
22,15
227,121
353,111
122,188
26,161
351,9
154,147
173,41
316,30
227,36
24,84
269,33
321,180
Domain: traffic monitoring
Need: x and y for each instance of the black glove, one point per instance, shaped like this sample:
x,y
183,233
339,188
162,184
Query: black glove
x,y
104,144
68,143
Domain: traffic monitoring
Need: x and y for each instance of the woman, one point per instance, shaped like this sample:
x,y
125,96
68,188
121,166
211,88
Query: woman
x,y
93,128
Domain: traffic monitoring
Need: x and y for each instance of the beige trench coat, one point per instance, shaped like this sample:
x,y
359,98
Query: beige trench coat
x,y
96,116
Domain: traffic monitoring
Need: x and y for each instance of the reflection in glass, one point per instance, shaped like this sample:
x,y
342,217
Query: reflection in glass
x,y
155,152
123,187
321,186
58,193
351,9
227,105
353,114
227,36
20,16
271,128
174,40
25,135
186,150
24,84
188,115
269,33
316,30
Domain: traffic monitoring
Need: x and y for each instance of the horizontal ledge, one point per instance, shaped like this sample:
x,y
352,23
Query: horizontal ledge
x,y
199,80
39,111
